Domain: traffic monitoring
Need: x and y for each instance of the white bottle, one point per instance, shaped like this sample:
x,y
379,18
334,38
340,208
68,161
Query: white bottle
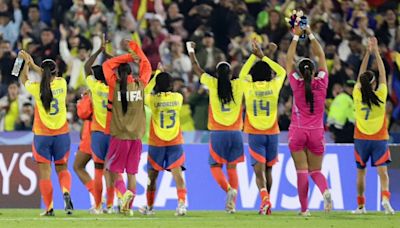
x,y
17,66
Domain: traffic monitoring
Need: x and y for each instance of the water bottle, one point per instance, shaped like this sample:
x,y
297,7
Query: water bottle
x,y
17,66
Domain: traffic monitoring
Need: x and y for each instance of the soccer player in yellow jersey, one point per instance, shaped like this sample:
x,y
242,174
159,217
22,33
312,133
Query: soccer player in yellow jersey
x,y
51,140
225,124
371,133
165,141
261,123
98,87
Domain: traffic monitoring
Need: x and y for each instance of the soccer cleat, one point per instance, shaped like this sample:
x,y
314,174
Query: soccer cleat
x,y
230,201
388,208
69,207
48,213
126,199
95,211
265,208
108,210
327,201
359,211
305,213
119,207
181,209
146,210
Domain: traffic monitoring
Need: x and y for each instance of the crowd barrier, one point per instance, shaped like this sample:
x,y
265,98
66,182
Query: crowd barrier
x,y
19,181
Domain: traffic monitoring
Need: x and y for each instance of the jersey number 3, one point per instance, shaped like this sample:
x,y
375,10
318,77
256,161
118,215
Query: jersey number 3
x,y
54,109
172,117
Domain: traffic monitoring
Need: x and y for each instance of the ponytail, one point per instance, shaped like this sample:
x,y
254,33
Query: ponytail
x,y
46,95
306,68
123,71
367,93
225,93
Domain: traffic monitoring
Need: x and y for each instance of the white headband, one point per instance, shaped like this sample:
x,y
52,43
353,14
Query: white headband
x,y
372,80
223,62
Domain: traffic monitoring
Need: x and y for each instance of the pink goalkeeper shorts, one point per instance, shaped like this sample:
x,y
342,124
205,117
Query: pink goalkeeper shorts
x,y
310,139
123,155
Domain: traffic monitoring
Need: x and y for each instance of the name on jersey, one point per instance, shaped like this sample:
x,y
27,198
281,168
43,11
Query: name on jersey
x,y
166,104
132,96
102,94
263,93
57,91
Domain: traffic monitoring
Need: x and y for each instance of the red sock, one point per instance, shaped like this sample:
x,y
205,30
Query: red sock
x,y
110,196
64,178
361,200
302,188
46,189
98,186
233,178
181,194
320,180
133,198
386,194
264,194
220,177
90,187
120,185
150,195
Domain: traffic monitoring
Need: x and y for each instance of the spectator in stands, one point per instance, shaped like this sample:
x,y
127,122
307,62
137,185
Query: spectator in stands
x,y
276,28
210,55
75,64
11,107
7,58
389,32
198,102
9,28
341,115
34,22
153,39
45,8
25,121
174,21
174,60
48,48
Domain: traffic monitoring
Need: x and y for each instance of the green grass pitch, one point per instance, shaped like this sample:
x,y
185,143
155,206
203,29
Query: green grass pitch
x,y
244,219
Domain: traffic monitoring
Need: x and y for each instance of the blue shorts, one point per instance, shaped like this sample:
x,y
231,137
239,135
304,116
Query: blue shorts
x,y
378,150
100,143
165,157
226,147
51,148
263,149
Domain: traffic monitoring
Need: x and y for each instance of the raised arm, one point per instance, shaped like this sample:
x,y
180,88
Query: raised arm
x,y
381,66
144,65
25,70
364,64
317,50
113,63
278,69
64,51
89,63
292,50
190,46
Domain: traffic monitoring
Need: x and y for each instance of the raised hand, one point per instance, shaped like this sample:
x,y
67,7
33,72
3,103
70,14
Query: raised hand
x,y
298,31
373,45
63,32
256,49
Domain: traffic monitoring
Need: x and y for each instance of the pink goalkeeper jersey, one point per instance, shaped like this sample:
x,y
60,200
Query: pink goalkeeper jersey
x,y
301,115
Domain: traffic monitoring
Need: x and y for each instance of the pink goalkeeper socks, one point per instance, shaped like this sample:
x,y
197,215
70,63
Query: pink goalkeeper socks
x,y
320,180
302,188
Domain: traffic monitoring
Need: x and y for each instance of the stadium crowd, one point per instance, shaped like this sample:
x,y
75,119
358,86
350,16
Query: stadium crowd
x,y
68,31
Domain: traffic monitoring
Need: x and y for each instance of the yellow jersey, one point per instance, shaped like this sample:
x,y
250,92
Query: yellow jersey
x,y
370,122
224,116
165,116
99,92
55,121
261,98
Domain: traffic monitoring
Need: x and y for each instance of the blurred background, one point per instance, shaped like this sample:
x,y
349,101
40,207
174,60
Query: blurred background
x,y
222,29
